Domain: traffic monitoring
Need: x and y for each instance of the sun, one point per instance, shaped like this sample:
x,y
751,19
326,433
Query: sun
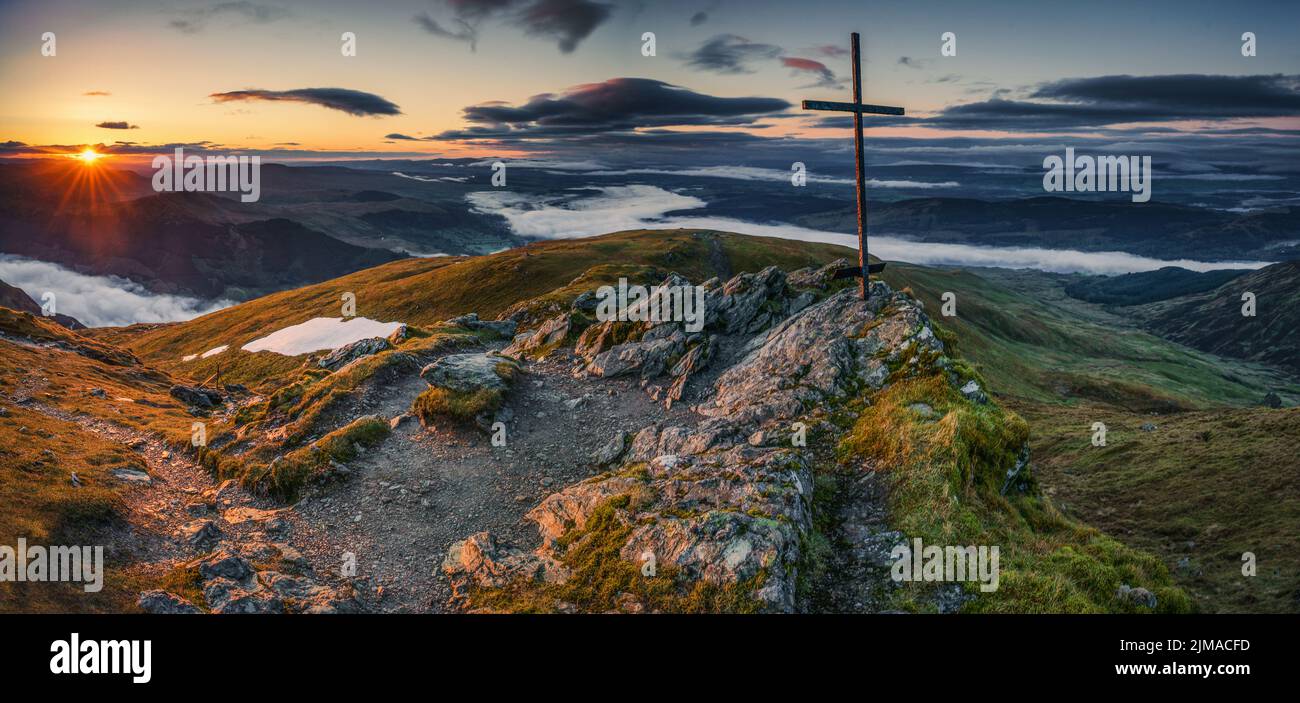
x,y
89,156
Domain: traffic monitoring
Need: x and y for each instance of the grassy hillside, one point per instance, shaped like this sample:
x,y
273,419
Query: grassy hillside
x,y
1148,286
1200,489
426,291
1213,321
1031,340
1178,491
1059,362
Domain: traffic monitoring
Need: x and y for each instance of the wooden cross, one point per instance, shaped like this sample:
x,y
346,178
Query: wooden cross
x,y
857,107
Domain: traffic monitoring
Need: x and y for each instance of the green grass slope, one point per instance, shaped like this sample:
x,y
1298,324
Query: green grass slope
x,y
426,291
1030,340
1211,482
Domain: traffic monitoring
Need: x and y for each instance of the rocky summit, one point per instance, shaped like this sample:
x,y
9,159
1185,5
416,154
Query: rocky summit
x,y
518,448
723,496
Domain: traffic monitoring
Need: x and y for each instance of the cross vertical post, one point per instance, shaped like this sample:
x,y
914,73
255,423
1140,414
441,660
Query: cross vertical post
x,y
857,107
861,167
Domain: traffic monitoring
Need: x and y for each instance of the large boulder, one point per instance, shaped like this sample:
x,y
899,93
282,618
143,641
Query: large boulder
x,y
196,397
346,354
541,341
500,328
467,373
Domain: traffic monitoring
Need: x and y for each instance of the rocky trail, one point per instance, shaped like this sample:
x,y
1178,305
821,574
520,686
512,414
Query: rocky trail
x,y
413,496
704,434
239,548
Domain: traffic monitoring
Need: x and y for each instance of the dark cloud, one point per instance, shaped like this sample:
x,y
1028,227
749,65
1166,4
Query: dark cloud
x,y
910,62
193,21
353,102
117,125
464,31
479,9
728,53
1079,103
699,18
1187,94
566,22
617,104
96,93
825,77
395,135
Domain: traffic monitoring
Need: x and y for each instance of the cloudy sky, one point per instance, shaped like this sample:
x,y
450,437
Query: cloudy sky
x,y
567,78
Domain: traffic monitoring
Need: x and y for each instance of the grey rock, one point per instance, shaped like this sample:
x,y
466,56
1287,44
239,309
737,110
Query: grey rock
x,y
973,392
196,397
200,533
1137,596
612,451
161,602
345,355
224,564
132,476
504,329
541,341
466,373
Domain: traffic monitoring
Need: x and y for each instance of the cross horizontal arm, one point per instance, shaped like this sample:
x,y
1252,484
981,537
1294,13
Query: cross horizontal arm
x,y
851,107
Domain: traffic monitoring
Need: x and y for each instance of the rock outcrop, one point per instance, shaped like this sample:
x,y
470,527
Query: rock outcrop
x,y
346,354
196,397
466,373
727,501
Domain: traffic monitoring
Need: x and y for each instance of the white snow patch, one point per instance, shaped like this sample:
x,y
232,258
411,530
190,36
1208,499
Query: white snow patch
x,y
320,334
214,352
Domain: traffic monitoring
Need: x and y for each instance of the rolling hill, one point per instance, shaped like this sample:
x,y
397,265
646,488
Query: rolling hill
x,y
1214,321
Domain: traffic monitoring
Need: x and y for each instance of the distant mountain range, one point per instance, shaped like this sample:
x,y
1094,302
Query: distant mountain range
x,y
312,224
1149,286
1157,230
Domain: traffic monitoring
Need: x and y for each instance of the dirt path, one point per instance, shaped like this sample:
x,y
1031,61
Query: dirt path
x,y
422,489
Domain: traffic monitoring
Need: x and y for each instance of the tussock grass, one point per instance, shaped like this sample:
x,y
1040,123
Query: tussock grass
x,y
436,404
945,477
284,477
